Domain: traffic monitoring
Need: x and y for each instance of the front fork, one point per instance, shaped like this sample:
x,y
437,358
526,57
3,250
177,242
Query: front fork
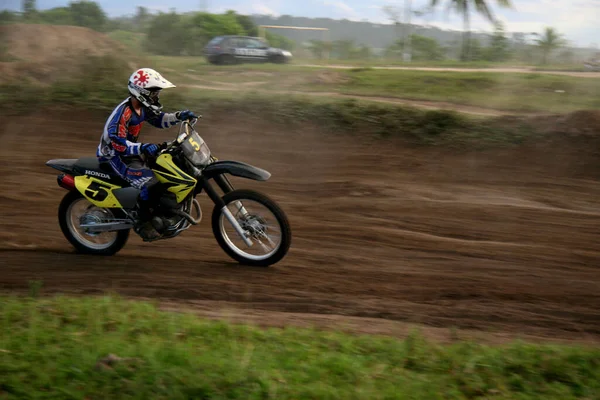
x,y
226,187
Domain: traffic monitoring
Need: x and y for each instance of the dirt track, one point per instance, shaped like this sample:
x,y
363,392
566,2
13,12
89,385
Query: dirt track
x,y
515,70
428,105
384,235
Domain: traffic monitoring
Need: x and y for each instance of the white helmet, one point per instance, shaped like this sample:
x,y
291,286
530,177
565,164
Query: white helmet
x,y
145,85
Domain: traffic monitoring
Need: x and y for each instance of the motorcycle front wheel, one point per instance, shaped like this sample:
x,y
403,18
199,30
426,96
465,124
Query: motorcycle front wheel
x,y
262,221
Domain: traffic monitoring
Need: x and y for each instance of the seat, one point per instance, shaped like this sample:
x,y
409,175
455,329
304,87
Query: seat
x,y
95,164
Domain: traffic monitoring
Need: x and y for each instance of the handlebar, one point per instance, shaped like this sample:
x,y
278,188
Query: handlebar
x,y
186,124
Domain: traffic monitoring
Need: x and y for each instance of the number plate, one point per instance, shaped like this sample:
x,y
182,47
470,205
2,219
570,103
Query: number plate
x,y
194,144
251,52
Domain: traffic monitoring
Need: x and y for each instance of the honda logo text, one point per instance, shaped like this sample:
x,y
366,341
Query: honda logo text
x,y
98,174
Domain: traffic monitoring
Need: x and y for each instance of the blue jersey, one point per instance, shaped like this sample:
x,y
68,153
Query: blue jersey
x,y
121,131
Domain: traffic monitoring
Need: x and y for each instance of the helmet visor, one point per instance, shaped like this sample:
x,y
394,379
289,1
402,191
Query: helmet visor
x,y
154,96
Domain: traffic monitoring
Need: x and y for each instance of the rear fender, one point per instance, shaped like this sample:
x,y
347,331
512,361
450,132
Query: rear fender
x,y
98,191
236,168
62,164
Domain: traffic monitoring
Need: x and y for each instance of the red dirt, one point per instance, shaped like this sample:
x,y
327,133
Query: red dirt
x,y
505,242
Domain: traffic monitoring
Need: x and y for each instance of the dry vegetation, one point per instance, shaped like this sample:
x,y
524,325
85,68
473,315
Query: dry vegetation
x,y
43,54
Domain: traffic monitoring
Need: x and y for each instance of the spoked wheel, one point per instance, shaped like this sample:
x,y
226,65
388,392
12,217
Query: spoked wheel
x,y
75,210
263,222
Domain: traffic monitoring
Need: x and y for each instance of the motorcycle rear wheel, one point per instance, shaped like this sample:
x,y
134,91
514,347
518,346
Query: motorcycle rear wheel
x,y
103,244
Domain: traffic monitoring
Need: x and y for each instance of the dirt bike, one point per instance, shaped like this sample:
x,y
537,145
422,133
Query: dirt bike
x,y
101,208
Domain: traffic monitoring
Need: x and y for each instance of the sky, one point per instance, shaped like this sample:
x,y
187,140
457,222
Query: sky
x,y
576,19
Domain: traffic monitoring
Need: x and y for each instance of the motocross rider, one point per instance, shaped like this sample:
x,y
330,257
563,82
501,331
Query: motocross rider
x,y
119,143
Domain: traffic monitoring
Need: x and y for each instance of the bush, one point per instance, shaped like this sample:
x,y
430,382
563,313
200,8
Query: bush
x,y
353,117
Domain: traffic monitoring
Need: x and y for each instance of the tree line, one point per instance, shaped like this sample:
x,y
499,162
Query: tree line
x,y
165,33
471,50
499,48
186,34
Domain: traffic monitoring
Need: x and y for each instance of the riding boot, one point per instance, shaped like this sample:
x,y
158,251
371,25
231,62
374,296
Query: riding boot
x,y
146,228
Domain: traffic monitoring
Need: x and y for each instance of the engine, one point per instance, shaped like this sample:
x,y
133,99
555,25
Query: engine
x,y
165,214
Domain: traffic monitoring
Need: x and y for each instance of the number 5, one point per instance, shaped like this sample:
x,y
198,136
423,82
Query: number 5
x,y
96,191
195,144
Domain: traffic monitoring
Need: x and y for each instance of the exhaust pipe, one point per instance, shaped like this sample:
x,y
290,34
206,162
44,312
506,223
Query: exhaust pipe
x,y
188,217
66,181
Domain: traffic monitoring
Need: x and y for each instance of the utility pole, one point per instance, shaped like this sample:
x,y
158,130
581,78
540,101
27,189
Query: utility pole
x,y
396,14
407,43
204,5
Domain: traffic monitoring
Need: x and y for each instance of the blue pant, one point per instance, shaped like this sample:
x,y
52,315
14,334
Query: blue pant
x,y
133,170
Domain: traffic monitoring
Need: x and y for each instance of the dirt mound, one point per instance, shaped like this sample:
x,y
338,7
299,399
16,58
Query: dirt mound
x,y
44,53
583,122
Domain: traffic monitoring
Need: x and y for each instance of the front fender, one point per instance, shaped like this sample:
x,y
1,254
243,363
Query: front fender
x,y
236,168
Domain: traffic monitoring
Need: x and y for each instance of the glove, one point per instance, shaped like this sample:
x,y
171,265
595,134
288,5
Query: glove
x,y
149,149
185,115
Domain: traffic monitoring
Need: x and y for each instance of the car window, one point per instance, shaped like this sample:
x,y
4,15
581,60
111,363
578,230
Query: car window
x,y
243,42
230,42
254,44
215,40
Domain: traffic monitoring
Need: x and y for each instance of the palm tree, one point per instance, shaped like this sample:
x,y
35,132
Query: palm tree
x,y
549,41
395,14
464,7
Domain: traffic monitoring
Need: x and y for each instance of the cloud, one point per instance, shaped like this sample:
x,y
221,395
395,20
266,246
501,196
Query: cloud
x,y
343,9
262,8
575,19
265,7
159,8
342,6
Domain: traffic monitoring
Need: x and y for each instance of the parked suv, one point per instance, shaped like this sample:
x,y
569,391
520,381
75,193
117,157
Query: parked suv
x,y
236,49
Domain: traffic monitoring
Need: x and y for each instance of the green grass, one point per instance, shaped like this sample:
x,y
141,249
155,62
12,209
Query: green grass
x,y
449,64
400,63
508,91
335,116
50,348
102,86
103,82
132,40
180,64
375,62
355,117
562,67
517,92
